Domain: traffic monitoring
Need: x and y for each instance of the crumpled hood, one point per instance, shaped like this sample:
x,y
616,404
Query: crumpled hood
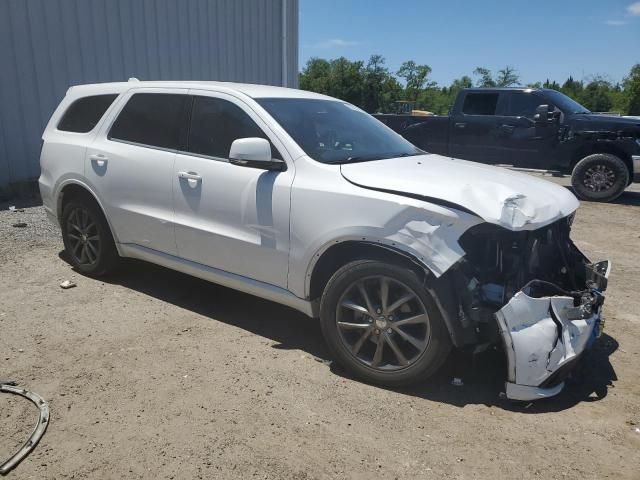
x,y
510,199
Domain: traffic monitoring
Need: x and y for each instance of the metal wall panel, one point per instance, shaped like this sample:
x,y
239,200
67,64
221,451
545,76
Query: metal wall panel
x,y
46,46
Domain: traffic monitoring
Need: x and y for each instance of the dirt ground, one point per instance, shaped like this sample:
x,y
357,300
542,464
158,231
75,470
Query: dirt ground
x,y
153,374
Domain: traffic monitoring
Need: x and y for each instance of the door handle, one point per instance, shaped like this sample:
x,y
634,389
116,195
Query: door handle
x,y
460,125
505,130
189,176
99,159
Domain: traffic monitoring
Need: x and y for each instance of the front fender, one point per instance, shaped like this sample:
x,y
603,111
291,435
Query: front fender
x,y
429,239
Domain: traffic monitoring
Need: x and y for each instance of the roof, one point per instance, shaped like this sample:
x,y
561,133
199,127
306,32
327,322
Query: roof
x,y
249,89
508,89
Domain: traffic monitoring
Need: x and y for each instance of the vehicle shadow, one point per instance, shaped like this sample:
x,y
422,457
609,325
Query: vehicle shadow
x,y
627,198
482,374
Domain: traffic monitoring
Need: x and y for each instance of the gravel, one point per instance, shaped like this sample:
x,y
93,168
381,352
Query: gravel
x,y
152,374
39,230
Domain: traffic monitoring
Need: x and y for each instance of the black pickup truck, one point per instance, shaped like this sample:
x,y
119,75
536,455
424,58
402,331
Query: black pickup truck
x,y
537,129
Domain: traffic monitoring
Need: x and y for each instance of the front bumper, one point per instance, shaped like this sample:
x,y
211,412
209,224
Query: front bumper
x,y
635,160
544,336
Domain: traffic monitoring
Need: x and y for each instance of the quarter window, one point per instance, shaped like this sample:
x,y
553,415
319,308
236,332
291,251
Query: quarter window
x,y
153,119
85,113
216,123
480,104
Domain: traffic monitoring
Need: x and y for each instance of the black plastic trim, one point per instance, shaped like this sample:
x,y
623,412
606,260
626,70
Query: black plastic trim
x,y
424,198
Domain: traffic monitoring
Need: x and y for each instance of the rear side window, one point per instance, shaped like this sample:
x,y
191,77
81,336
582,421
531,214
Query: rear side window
x,y
153,119
480,104
216,123
523,104
85,113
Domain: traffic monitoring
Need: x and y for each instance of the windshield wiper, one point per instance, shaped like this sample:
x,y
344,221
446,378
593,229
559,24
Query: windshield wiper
x,y
362,158
355,159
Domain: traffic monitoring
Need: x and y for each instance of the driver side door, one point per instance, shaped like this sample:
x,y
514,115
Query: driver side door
x,y
229,217
525,143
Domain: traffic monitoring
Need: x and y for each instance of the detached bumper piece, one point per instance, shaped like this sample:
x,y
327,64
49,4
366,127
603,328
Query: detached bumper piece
x,y
545,330
38,430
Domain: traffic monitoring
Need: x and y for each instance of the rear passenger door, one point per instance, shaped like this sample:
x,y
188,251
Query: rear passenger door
x,y
231,217
475,128
130,165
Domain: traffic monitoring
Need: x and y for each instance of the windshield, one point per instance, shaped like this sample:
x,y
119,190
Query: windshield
x,y
332,131
564,103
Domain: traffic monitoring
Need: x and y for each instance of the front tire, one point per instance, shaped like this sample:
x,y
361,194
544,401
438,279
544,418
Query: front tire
x,y
382,325
600,177
87,238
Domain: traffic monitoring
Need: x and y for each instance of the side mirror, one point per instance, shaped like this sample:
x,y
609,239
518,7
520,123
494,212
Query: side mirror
x,y
542,114
255,153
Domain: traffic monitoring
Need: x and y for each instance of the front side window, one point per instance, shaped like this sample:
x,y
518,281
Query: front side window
x,y
216,123
332,131
85,113
153,119
523,104
480,104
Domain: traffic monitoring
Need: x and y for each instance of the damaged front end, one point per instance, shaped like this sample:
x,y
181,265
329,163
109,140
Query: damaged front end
x,y
538,295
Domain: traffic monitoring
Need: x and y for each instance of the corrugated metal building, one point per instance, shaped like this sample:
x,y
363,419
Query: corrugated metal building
x,y
48,45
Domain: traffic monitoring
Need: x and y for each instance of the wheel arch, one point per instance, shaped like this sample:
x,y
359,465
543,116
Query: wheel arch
x,y
326,263
441,289
77,189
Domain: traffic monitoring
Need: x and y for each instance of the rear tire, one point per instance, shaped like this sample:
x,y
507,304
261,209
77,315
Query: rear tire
x,y
600,177
87,238
379,336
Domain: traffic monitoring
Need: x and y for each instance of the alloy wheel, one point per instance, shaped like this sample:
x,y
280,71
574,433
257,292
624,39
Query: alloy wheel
x,y
83,238
383,323
599,178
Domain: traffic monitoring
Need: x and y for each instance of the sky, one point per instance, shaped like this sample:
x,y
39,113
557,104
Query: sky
x,y
543,39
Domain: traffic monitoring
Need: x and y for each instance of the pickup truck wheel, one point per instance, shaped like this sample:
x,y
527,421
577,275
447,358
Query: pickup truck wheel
x,y
87,239
600,177
382,325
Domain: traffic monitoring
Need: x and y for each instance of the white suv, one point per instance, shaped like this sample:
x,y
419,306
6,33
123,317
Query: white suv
x,y
308,201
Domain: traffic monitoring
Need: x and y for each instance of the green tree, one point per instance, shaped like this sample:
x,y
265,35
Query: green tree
x,y
415,77
375,75
596,95
507,77
372,87
392,91
631,89
486,78
572,87
460,83
346,80
315,76
553,85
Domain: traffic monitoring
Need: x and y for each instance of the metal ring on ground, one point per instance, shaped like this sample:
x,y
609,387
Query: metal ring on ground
x,y
38,430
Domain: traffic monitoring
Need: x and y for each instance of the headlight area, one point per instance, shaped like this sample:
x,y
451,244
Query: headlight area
x,y
538,295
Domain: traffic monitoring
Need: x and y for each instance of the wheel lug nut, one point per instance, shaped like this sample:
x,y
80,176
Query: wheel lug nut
x,y
377,332
371,320
378,311
389,330
390,318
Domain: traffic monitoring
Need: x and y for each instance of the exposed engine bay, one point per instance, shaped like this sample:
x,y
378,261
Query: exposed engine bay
x,y
537,294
